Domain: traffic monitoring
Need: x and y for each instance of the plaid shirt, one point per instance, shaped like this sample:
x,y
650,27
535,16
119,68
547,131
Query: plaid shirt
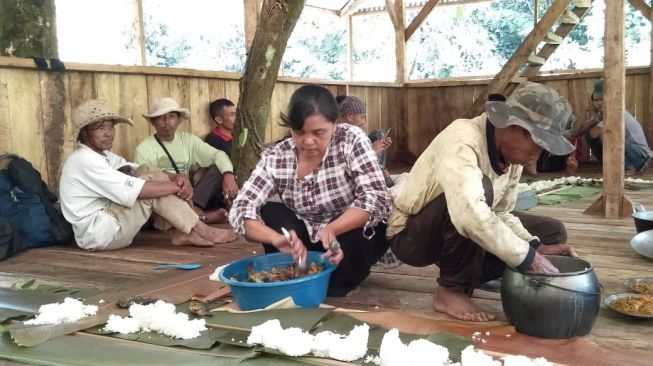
x,y
349,176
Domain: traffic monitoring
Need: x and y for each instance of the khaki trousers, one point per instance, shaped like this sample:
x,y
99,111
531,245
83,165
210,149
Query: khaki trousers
x,y
170,212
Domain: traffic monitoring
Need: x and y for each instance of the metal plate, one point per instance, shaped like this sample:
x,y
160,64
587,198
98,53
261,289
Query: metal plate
x,y
632,284
612,298
642,243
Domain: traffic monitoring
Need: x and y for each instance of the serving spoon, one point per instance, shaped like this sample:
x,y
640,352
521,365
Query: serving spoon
x,y
302,266
178,266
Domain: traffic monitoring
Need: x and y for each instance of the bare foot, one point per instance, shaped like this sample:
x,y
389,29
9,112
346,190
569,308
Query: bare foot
x,y
219,216
459,306
214,234
179,238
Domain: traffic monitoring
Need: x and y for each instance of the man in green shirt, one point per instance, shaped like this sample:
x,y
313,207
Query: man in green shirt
x,y
174,152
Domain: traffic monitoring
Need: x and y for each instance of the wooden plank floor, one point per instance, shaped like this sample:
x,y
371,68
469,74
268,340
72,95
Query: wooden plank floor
x,y
605,243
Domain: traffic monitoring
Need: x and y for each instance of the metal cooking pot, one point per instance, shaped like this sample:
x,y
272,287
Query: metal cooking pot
x,y
643,218
562,305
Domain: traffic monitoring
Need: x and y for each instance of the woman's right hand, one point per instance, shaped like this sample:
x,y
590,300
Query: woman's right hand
x,y
295,248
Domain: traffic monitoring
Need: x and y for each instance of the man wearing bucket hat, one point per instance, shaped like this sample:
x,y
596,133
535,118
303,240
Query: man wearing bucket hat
x,y
637,154
107,207
176,152
455,208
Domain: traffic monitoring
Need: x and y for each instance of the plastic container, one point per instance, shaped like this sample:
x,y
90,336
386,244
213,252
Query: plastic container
x,y
559,306
308,292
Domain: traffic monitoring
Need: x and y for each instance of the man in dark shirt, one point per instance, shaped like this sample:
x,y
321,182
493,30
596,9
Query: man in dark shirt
x,y
223,113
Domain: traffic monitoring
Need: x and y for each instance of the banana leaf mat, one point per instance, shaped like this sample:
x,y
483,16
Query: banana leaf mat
x,y
568,194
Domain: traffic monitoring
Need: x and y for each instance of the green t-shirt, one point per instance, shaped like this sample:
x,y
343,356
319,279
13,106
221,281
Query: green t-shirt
x,y
186,150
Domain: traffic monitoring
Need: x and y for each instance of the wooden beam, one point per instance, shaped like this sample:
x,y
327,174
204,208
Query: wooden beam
x,y
520,56
390,8
650,86
139,31
613,109
349,7
397,15
419,19
350,47
642,7
252,9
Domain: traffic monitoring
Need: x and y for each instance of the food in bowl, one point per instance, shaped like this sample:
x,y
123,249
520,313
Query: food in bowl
x,y
277,274
640,285
635,305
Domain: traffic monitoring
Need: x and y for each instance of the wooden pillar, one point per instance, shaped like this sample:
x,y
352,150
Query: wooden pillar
x,y
252,10
613,202
139,31
397,12
350,47
650,85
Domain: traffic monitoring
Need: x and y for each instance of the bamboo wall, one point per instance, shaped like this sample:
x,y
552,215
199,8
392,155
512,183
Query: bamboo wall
x,y
36,106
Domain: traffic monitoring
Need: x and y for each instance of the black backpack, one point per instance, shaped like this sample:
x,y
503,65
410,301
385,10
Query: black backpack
x,y
30,209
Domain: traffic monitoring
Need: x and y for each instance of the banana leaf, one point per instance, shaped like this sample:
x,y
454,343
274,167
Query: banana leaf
x,y
301,318
88,350
205,340
23,301
568,194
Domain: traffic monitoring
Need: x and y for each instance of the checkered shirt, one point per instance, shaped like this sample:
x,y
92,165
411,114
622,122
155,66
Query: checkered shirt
x,y
349,176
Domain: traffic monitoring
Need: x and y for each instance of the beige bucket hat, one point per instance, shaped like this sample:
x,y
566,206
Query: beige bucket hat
x,y
166,105
95,110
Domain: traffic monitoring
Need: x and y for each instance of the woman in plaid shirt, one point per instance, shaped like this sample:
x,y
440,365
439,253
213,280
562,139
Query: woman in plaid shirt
x,y
330,185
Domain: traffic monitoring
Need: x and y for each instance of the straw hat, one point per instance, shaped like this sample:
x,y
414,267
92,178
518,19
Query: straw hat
x,y
95,110
166,105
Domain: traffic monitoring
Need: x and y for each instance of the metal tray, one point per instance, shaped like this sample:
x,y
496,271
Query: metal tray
x,y
631,282
610,299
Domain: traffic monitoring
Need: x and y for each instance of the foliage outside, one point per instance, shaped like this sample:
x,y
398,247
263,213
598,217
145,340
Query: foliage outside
x,y
464,40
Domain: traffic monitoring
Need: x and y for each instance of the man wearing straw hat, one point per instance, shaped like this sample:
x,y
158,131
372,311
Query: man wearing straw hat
x,y
176,152
455,208
107,207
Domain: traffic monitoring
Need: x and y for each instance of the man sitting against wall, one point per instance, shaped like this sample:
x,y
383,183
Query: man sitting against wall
x,y
176,152
107,201
223,118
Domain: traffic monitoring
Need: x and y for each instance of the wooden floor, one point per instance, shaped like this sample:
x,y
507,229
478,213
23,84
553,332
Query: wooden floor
x,y
605,243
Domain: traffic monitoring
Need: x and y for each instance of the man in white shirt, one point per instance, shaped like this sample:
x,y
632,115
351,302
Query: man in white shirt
x,y
106,206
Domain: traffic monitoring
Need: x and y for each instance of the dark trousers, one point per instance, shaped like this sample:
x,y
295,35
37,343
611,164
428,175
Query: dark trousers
x,y
207,193
359,252
431,238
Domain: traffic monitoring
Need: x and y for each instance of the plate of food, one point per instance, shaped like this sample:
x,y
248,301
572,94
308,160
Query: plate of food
x,y
637,305
640,285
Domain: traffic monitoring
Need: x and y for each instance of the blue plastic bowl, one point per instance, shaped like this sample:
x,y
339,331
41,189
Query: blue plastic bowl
x,y
307,292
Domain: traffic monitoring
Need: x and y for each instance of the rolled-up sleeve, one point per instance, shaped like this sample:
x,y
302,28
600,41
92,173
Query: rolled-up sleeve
x,y
252,196
370,191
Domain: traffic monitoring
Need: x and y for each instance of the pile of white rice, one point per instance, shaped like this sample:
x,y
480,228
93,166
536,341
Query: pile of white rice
x,y
159,317
70,310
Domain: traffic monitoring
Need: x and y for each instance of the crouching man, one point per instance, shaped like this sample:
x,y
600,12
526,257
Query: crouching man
x,y
107,199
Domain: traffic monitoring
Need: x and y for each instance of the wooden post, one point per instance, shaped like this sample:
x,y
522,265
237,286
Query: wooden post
x,y
252,10
536,12
613,201
397,12
642,7
350,47
650,84
139,31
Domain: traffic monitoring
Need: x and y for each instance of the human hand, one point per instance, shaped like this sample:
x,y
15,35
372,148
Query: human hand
x,y
327,235
557,249
542,265
381,145
185,188
229,186
293,247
